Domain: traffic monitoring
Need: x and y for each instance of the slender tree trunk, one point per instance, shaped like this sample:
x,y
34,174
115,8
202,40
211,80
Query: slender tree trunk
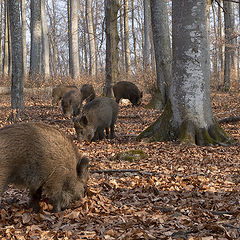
x,y
45,42
112,40
24,41
163,55
215,50
134,39
36,39
221,43
126,39
122,53
1,37
146,49
228,32
188,115
17,100
6,43
73,38
91,36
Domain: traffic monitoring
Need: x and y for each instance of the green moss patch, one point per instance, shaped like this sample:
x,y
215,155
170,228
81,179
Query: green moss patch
x,y
130,156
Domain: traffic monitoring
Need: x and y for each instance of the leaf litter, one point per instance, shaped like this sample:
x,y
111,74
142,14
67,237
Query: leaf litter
x,y
173,192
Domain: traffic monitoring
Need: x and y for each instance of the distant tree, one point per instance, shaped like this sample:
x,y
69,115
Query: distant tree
x,y
24,40
36,39
91,38
1,36
126,39
188,115
45,42
73,38
6,57
112,40
17,100
147,44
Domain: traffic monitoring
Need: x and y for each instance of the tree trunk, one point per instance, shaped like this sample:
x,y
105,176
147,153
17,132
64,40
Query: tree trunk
x,y
122,53
73,38
45,42
146,48
36,39
228,34
91,36
163,55
17,100
134,38
112,40
188,115
126,39
1,37
6,43
24,41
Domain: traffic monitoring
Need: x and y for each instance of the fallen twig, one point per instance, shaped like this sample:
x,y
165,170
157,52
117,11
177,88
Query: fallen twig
x,y
122,171
229,119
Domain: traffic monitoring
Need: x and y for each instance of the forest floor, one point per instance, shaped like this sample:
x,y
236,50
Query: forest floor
x,y
173,191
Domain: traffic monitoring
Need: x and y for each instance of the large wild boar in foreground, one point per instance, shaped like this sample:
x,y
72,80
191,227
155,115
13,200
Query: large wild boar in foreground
x,y
127,90
44,160
59,92
97,115
87,92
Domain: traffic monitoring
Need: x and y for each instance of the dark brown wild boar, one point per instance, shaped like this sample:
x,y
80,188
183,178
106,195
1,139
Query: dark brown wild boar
x,y
97,115
71,103
127,90
87,92
59,91
44,160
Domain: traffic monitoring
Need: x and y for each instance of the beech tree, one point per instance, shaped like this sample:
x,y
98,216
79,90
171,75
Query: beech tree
x,y
188,115
112,40
17,100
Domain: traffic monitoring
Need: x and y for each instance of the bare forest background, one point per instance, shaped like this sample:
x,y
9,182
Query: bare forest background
x,y
46,42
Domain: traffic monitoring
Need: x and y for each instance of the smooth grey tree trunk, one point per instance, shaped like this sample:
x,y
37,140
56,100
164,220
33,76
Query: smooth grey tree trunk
x,y
45,42
134,38
112,40
122,53
36,39
73,38
6,43
147,45
126,38
188,115
163,54
228,34
1,39
24,40
17,100
91,38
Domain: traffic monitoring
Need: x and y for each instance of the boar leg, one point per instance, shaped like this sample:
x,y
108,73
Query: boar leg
x,y
107,132
112,131
35,199
100,133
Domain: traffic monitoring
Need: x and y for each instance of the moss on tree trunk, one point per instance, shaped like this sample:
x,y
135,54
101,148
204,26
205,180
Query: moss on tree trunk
x,y
163,129
156,101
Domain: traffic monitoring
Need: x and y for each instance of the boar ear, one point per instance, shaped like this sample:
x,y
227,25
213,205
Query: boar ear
x,y
82,168
83,120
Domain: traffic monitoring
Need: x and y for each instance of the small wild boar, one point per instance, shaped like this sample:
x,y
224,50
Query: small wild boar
x,y
59,91
127,90
97,115
71,103
87,92
44,160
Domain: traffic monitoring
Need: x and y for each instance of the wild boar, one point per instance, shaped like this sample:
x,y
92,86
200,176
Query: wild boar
x,y
44,160
97,115
87,92
71,103
59,91
127,90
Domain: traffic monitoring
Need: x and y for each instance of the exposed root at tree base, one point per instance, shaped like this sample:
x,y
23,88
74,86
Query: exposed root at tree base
x,y
188,133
